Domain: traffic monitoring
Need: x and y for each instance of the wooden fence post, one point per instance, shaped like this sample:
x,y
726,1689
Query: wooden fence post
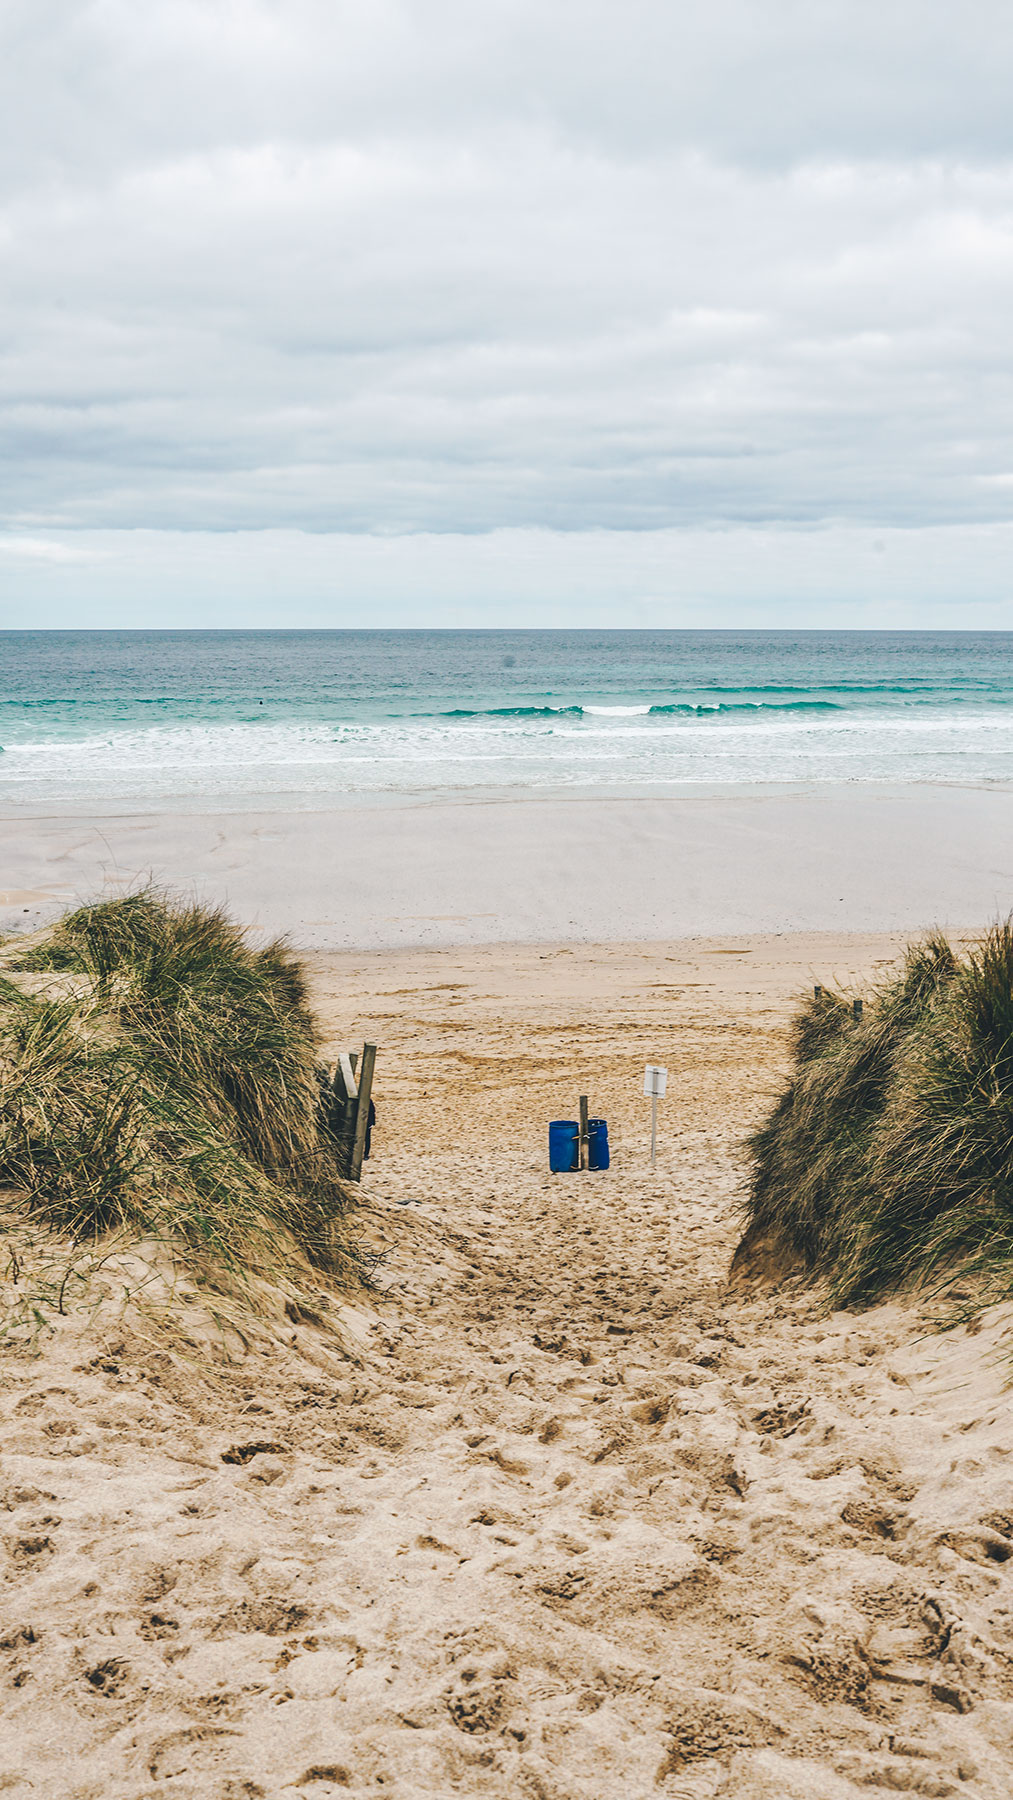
x,y
856,1009
346,1070
365,1073
343,1108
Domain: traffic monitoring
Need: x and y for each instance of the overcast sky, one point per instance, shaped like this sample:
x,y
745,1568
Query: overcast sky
x,y
495,311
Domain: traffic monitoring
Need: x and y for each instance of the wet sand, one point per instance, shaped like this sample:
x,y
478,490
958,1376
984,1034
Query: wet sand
x,y
563,870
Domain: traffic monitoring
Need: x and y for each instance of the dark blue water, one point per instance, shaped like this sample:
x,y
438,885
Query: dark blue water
x,y
220,718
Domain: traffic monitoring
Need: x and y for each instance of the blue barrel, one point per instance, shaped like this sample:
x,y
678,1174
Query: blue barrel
x,y
597,1144
563,1136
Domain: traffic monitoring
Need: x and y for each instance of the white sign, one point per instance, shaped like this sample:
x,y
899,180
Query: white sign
x,y
655,1081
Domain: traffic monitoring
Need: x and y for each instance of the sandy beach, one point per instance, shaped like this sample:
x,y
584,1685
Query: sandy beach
x,y
527,870
573,1516
505,581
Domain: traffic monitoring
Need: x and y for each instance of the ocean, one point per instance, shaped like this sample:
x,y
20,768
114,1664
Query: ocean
x,y
216,720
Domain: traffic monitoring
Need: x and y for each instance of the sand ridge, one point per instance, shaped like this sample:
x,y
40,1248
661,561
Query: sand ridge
x,y
577,1519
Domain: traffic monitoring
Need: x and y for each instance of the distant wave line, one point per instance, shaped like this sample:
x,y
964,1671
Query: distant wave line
x,y
575,725
497,712
913,685
686,708
740,706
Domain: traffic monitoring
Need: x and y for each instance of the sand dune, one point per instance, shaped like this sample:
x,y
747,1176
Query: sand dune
x,y
574,1519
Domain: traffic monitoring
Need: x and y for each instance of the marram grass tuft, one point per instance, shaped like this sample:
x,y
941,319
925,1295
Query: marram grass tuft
x,y
162,1079
888,1160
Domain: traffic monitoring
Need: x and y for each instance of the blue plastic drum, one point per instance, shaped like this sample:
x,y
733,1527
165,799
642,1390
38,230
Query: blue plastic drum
x,y
563,1136
597,1144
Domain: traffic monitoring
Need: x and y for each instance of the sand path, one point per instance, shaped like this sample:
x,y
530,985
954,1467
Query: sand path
x,y
582,1522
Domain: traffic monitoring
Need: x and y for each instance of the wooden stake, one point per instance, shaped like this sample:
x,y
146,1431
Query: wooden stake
x,y
365,1073
344,1078
341,1110
856,1009
582,1156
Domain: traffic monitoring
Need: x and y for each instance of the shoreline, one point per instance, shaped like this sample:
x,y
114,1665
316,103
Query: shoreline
x,y
303,802
527,871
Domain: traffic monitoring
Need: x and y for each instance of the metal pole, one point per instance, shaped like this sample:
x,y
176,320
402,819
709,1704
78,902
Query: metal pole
x,y
654,1125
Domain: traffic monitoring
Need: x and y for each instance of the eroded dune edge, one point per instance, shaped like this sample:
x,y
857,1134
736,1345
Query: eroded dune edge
x,y
569,1515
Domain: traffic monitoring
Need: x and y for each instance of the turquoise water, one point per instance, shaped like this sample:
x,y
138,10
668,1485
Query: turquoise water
x,y
219,719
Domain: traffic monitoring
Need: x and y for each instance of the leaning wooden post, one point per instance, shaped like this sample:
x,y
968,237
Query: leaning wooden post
x,y
582,1156
856,1009
344,1101
365,1085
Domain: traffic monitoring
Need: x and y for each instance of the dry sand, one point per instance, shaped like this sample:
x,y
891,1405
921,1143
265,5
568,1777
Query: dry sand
x,y
579,1520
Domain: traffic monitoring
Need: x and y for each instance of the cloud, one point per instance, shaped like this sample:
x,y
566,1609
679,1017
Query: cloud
x,y
388,269
47,550
776,81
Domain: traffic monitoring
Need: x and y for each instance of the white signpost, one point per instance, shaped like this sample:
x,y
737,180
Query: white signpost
x,y
655,1083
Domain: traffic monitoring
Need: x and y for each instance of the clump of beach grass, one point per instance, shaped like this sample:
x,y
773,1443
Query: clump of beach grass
x,y
887,1162
159,1079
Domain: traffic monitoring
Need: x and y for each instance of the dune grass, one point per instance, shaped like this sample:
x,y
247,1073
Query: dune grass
x,y
887,1161
161,1077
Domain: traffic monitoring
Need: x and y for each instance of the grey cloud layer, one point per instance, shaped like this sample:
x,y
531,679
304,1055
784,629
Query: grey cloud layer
x,y
387,268
770,79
